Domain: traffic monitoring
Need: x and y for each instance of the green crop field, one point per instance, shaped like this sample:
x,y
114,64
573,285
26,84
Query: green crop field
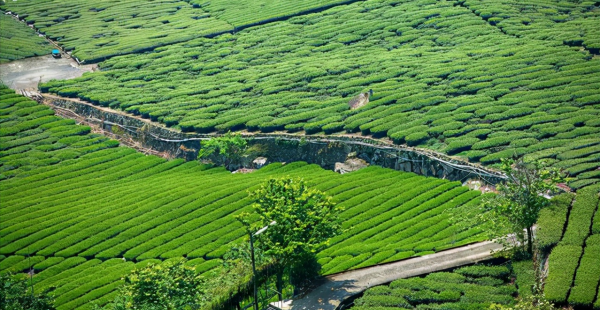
x,y
99,29
477,80
241,12
19,41
77,203
443,78
574,264
473,287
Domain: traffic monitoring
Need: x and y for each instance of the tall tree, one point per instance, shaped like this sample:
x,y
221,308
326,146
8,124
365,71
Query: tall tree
x,y
517,206
306,219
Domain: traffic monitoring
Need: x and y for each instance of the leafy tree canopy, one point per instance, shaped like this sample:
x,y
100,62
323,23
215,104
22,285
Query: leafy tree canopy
x,y
517,205
227,149
167,286
15,294
306,219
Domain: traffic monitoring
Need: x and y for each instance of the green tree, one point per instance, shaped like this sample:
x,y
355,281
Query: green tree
x,y
306,219
166,286
517,205
15,294
228,149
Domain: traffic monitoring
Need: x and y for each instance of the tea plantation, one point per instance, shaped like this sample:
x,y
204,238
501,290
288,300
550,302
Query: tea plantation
x,y
574,264
77,204
473,287
19,42
478,80
445,76
101,29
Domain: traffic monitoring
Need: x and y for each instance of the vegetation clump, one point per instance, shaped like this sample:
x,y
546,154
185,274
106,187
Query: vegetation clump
x,y
473,287
19,41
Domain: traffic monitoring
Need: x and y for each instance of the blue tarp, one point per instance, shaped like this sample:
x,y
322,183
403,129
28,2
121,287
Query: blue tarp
x,y
55,52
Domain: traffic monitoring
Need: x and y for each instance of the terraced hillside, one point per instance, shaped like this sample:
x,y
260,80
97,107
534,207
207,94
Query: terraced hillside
x,y
100,29
240,13
445,76
76,204
19,41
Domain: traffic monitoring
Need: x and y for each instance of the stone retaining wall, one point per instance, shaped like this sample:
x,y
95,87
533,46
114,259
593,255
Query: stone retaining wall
x,y
322,150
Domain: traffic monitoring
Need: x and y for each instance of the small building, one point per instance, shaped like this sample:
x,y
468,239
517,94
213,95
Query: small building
x,y
55,53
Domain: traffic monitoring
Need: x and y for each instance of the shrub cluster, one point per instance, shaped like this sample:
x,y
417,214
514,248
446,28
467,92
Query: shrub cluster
x,y
444,290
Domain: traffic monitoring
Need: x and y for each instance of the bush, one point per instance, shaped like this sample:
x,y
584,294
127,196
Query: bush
x,y
525,277
477,271
461,145
588,274
382,301
580,219
416,138
562,264
552,220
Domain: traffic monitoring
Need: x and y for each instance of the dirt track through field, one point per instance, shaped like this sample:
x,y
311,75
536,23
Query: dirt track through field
x,y
339,287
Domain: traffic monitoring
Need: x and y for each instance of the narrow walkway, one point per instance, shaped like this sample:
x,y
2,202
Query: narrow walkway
x,y
339,287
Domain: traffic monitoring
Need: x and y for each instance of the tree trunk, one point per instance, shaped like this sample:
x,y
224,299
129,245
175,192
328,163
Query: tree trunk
x,y
279,283
529,240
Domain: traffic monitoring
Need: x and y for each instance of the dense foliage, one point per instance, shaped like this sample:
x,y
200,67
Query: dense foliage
x,y
227,150
551,221
19,41
482,80
89,212
474,287
517,206
299,221
169,286
16,293
241,13
573,263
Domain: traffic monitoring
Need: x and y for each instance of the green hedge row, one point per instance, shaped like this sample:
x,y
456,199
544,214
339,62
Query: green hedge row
x,y
444,290
588,274
563,262
551,221
19,41
525,277
580,218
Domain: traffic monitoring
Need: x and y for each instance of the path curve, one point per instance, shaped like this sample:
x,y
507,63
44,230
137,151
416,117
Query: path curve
x,y
339,287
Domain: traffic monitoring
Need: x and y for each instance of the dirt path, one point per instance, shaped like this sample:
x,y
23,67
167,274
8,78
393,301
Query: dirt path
x,y
25,74
339,287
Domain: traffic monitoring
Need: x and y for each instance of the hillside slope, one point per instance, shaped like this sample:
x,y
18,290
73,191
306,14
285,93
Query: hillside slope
x,y
77,203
